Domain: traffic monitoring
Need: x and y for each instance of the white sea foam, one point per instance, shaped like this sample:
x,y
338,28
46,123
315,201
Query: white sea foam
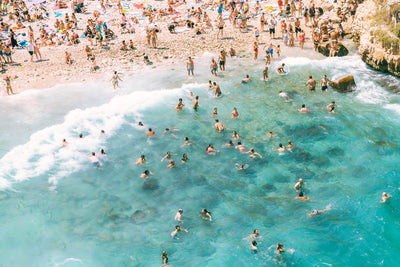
x,y
68,260
43,151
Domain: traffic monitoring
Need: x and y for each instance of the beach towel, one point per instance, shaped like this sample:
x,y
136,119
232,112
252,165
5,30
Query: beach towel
x,y
57,14
139,6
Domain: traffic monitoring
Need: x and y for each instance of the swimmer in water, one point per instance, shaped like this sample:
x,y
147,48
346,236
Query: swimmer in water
x,y
255,234
235,114
302,197
271,134
170,130
215,113
151,133
196,103
164,257
235,135
240,146
229,144
281,69
316,212
331,105
95,161
299,185
385,197
311,83
210,150
303,109
265,74
253,153
64,143
240,167
206,215
141,160
244,81
219,126
180,105
210,85
253,245
324,84
177,230
217,90
187,142
140,123
184,158
167,157
178,215
146,174
115,79
285,97
279,249
281,149
289,147
171,164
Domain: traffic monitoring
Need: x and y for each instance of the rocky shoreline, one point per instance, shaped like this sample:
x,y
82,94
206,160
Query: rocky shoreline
x,y
371,50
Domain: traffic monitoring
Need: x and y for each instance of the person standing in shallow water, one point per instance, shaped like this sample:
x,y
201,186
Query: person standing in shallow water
x,y
115,80
190,66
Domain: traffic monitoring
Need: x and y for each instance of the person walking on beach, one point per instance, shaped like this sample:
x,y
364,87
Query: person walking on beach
x,y
115,80
190,66
311,83
30,49
255,48
265,74
7,79
220,26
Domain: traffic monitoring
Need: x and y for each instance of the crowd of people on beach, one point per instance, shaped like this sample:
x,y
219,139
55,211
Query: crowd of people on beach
x,y
32,25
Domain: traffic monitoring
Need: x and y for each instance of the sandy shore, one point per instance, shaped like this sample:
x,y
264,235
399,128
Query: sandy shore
x,y
172,49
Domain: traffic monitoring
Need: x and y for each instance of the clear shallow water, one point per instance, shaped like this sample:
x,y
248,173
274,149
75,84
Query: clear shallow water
x,y
56,210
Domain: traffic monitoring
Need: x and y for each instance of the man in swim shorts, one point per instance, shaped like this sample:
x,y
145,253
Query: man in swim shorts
x,y
270,49
311,83
222,59
271,24
190,66
324,84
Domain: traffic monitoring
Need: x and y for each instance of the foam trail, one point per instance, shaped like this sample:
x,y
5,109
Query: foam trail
x,y
43,151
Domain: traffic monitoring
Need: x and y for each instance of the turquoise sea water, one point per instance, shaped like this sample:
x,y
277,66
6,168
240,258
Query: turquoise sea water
x,y
57,210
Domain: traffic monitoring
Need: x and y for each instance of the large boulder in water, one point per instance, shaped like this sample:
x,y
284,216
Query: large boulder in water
x,y
344,84
324,49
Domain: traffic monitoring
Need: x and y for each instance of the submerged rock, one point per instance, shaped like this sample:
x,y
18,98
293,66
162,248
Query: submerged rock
x,y
343,85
